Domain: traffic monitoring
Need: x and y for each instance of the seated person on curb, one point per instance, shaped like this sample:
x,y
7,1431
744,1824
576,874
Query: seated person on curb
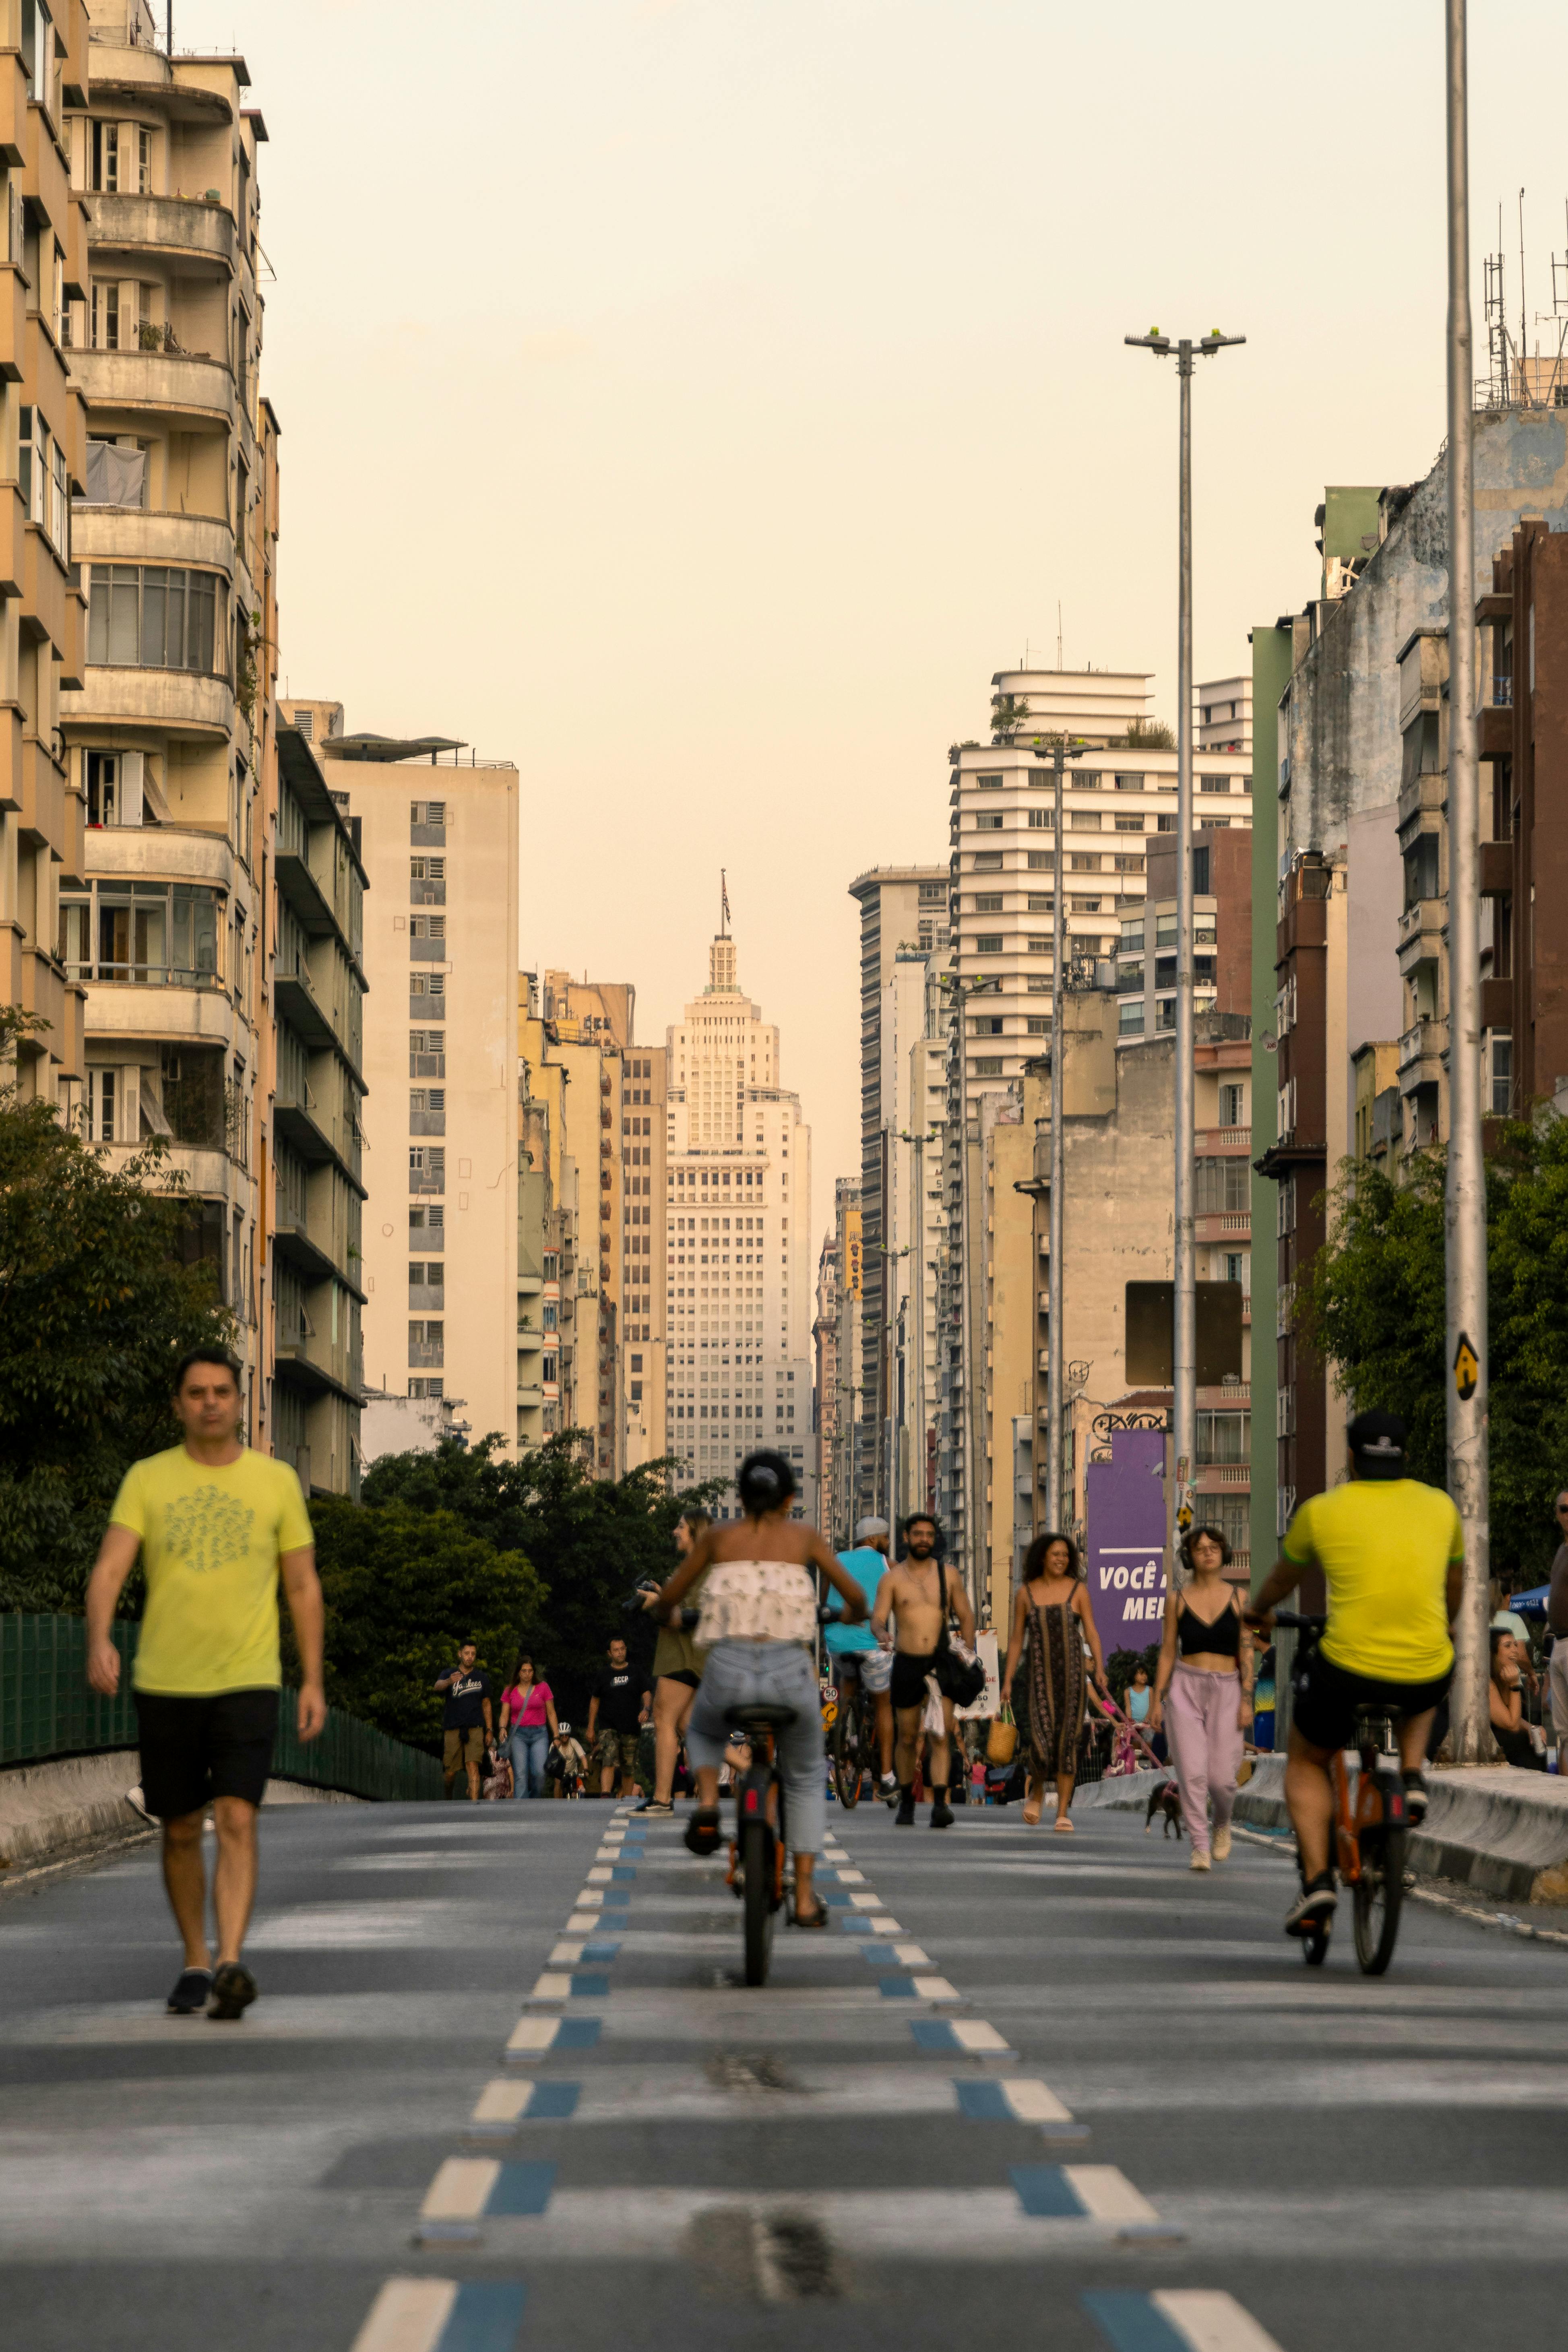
x,y
1506,1702
854,1651
1391,1555
919,1595
757,1628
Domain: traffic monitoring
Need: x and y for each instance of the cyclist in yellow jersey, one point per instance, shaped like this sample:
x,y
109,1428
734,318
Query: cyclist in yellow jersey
x,y
1392,1554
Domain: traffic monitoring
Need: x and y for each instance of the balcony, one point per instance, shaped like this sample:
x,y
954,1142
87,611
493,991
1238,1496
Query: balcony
x,y
174,1015
1429,791
1496,731
187,228
1224,1477
176,384
1497,869
211,1175
1223,1225
161,853
1208,1141
1422,1051
182,701
1423,930
139,535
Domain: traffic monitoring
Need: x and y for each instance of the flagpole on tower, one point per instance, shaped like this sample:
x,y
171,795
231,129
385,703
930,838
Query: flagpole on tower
x,y
723,902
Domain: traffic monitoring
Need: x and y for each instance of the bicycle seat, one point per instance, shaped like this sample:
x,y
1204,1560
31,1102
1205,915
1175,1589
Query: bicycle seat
x,y
759,1718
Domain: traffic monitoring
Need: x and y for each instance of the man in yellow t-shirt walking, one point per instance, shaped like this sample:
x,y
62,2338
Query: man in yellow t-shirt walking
x,y
215,1525
1392,1554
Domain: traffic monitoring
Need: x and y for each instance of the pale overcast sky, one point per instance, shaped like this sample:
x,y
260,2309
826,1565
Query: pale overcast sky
x,y
697,399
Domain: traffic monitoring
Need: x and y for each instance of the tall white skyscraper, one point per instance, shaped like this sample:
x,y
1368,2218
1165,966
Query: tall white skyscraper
x,y
738,1241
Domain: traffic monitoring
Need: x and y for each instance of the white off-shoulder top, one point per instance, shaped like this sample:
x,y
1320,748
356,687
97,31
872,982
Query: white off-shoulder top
x,y
757,1601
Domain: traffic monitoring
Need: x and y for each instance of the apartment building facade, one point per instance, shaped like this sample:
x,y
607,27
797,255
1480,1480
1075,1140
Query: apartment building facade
x,y
847,1245
161,917
42,620
825,1413
903,915
437,841
547,1233
738,1256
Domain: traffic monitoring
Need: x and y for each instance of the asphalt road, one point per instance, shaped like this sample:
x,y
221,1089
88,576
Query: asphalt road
x,y
1195,2142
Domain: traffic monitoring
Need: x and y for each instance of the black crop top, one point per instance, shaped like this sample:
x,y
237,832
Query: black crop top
x,y
1220,1640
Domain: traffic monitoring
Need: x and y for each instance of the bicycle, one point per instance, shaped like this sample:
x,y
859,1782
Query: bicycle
x,y
852,1744
1371,1829
757,1855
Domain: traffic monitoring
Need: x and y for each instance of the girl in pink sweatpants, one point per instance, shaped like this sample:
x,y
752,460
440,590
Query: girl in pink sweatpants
x,y
1203,1692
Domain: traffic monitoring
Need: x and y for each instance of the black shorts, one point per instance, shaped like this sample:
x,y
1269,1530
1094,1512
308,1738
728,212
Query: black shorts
x,y
683,1675
194,1750
1326,1697
909,1672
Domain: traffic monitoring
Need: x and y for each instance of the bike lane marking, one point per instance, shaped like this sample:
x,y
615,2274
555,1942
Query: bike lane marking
x,y
533,2037
432,2315
1176,2319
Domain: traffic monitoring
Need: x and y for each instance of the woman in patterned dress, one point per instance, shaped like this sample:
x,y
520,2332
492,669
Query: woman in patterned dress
x,y
1051,1607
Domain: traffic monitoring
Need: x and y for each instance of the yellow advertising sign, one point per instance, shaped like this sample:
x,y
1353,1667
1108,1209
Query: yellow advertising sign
x,y
852,1251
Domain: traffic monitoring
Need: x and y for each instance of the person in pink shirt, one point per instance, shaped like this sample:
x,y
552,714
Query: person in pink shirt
x,y
527,1727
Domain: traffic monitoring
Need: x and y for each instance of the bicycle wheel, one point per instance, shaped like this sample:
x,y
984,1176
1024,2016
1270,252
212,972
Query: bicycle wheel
x,y
757,1891
1379,1893
1315,1947
848,1760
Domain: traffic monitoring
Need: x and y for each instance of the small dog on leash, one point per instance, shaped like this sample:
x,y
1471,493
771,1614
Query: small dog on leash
x,y
1165,1799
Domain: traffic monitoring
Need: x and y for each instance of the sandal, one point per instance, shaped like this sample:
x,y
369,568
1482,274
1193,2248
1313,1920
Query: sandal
x,y
1063,1827
702,1831
1033,1818
816,1918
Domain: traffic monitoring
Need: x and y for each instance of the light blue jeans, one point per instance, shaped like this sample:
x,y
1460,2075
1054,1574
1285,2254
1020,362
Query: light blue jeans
x,y
768,1674
528,1746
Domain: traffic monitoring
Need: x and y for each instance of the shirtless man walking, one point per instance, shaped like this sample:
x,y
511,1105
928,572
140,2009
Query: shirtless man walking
x,y
918,1594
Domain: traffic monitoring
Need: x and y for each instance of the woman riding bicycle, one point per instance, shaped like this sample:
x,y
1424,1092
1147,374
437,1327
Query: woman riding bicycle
x,y
757,1628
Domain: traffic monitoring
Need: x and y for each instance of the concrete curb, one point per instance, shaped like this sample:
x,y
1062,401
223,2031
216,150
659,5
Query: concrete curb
x,y
45,1807
1494,1828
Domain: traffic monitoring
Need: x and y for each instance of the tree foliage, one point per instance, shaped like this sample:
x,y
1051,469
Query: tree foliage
x,y
96,1309
1373,1302
589,1540
403,1588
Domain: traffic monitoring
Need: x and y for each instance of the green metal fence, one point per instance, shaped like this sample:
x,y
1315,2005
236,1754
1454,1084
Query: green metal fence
x,y
46,1709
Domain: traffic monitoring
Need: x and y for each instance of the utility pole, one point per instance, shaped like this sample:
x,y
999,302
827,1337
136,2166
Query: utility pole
x,y
1184,1334
972,1357
1060,752
1465,1196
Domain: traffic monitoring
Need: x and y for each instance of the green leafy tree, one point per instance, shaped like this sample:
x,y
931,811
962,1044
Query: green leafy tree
x,y
96,1309
1149,735
1009,712
1373,1302
591,1539
403,1588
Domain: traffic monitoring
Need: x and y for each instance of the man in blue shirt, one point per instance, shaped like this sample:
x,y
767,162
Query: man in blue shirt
x,y
857,1656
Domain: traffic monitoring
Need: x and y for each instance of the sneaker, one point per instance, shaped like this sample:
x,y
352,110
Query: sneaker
x,y
1313,1908
233,1990
904,1819
1200,1860
1222,1845
1416,1798
660,1812
888,1789
941,1814
192,1993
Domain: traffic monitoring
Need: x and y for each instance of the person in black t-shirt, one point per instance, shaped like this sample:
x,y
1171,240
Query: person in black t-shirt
x,y
465,1719
616,1713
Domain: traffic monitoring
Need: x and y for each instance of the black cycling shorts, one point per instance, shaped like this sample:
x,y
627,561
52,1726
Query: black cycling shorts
x,y
1326,1697
683,1675
194,1750
909,1672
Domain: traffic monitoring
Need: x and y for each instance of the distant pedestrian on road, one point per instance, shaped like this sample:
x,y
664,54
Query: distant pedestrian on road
x,y
1557,1618
855,1654
917,1596
617,1709
528,1726
465,1719
1203,1692
1052,1618
216,1526
677,1672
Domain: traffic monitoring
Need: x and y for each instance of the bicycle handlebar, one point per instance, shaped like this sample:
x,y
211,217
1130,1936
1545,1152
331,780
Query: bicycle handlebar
x,y
1305,1624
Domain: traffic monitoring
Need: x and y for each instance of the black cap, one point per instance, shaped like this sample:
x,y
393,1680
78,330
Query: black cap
x,y
1377,1444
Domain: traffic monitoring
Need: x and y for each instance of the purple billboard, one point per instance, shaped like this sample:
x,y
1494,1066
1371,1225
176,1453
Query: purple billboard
x,y
1124,1508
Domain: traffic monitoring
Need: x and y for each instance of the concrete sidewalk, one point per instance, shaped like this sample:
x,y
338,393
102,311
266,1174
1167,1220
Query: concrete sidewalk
x,y
1490,1827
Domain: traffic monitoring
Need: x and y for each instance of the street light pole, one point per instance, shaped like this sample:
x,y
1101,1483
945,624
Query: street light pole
x,y
1184,1333
1464,1194
1061,752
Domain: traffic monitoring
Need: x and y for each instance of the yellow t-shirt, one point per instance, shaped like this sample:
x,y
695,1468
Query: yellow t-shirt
x,y
1383,1546
211,1538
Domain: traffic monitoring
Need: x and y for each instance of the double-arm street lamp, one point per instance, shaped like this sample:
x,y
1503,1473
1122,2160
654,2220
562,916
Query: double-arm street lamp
x,y
1184,1349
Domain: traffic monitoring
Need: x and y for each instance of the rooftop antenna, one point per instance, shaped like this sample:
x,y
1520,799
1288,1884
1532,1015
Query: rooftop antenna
x,y
1523,329
723,903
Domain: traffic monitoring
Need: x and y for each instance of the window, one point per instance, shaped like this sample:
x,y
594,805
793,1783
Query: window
x,y
988,1066
933,894
1079,864
103,157
987,861
431,1220
1085,820
1129,864
427,1343
149,617
102,1088
1502,1076
1130,784
988,943
41,478
116,475
989,784
1233,1106
988,1025
429,1271
1039,947
426,1053
988,821
1043,820
144,163
154,933
427,1168
1224,1186
1038,1025
1130,822
988,903
1225,1437
39,51
1130,1019
1038,903
1214,783
1163,824
1041,860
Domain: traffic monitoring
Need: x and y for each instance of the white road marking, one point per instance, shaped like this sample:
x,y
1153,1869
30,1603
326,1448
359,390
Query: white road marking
x,y
408,2315
1107,2193
1033,2102
864,1902
935,1989
1212,2322
941,2225
980,2040
852,1878
530,2036
581,1923
459,2189
600,1875
502,2101
589,1897
910,1956
883,1925
565,1956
